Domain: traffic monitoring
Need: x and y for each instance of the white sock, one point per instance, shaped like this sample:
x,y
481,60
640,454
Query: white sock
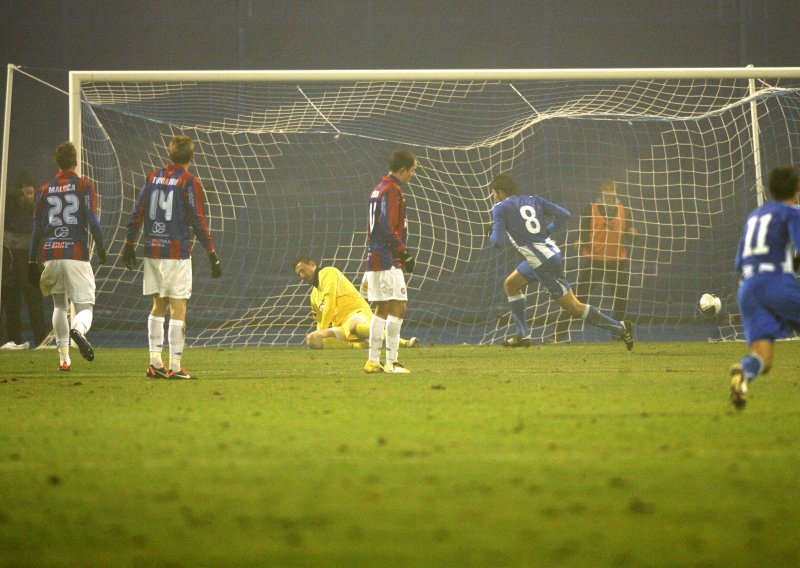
x,y
83,318
155,336
392,339
376,327
63,351
61,329
177,336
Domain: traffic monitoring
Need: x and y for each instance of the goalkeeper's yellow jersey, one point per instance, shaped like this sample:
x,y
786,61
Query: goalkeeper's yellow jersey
x,y
335,298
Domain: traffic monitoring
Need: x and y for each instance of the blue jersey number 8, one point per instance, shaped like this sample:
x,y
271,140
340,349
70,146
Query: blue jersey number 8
x,y
531,222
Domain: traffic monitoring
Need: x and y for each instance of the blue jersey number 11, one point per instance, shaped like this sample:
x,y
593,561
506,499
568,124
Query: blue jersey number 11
x,y
760,247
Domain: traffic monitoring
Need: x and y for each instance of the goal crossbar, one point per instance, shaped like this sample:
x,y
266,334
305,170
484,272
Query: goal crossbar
x,y
76,78
447,74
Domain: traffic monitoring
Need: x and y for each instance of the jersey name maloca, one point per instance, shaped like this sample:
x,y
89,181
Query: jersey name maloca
x,y
61,188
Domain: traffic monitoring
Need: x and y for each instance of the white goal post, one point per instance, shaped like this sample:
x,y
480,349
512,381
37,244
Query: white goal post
x,y
288,157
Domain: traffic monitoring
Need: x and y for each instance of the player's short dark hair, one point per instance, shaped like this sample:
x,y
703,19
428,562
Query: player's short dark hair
x,y
181,149
304,259
23,179
66,156
783,182
505,183
401,159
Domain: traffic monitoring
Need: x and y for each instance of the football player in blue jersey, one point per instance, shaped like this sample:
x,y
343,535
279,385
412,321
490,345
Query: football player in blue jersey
x,y
769,294
527,221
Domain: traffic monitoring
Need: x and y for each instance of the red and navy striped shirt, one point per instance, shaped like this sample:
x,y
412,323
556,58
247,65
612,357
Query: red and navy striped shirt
x,y
64,215
169,204
387,230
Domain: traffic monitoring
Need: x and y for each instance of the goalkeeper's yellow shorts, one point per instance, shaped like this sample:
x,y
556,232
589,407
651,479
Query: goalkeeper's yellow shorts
x,y
359,316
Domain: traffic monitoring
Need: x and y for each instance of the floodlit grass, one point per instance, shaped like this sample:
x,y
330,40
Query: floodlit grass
x,y
549,456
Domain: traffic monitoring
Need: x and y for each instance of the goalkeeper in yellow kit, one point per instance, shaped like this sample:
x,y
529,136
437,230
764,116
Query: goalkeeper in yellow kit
x,y
341,312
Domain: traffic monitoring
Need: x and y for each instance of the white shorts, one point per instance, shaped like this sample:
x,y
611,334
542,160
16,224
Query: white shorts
x,y
168,277
383,285
74,278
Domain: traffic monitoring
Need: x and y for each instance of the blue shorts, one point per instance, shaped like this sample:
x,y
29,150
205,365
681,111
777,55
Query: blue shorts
x,y
549,274
770,306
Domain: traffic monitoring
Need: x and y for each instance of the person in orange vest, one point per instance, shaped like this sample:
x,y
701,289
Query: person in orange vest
x,y
605,233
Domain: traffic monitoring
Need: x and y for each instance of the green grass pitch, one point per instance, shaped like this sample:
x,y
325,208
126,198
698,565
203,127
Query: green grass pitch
x,y
575,455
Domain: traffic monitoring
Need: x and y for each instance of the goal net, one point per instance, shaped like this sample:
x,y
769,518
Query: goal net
x,y
288,162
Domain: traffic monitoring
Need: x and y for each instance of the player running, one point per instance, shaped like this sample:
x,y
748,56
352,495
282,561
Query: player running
x,y
521,220
169,205
341,312
769,294
64,215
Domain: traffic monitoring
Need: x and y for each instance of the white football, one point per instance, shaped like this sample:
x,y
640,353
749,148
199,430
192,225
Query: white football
x,y
709,304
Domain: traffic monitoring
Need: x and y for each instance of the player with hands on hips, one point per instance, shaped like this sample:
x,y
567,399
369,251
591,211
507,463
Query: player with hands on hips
x,y
170,207
387,259
64,215
520,220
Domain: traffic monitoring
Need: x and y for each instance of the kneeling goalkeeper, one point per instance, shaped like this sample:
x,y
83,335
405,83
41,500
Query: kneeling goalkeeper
x,y
341,312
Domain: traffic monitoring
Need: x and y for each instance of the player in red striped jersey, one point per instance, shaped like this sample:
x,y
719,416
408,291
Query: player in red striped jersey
x,y
64,215
387,258
170,203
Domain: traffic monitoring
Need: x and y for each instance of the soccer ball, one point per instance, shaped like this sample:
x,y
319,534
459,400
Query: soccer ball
x,y
709,304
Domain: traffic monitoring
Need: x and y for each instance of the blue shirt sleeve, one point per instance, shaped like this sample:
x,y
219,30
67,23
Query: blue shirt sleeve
x,y
738,264
498,236
559,214
794,230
